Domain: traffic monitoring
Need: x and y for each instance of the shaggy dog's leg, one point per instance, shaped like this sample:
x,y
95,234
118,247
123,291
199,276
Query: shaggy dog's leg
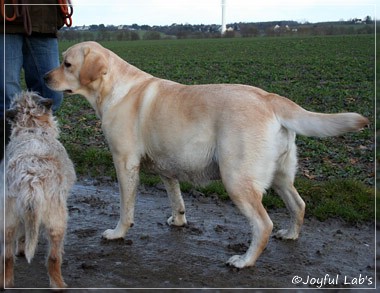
x,y
10,235
54,260
12,223
56,227
178,217
2,272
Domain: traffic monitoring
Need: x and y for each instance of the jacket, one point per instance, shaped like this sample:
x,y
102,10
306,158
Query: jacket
x,y
34,19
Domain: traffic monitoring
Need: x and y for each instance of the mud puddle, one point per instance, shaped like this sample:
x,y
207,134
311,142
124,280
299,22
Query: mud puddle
x,y
154,255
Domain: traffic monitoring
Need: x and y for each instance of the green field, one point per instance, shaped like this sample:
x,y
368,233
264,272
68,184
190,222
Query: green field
x,y
326,74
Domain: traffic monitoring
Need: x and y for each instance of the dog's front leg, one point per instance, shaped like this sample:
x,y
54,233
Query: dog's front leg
x,y
128,177
178,217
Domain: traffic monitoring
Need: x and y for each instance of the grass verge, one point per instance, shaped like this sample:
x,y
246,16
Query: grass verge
x,y
349,200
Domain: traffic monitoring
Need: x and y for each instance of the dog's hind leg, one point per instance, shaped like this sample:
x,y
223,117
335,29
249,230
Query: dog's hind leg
x,y
294,204
2,269
54,260
10,234
178,217
56,227
10,237
283,185
248,200
296,207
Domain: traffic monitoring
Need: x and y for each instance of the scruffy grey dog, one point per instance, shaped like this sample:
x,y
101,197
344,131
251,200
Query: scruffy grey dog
x,y
39,176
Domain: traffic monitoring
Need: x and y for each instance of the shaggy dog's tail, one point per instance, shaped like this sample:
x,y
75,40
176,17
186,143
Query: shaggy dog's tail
x,y
32,206
307,123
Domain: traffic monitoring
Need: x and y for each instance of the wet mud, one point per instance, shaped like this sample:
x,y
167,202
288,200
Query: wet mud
x,y
155,255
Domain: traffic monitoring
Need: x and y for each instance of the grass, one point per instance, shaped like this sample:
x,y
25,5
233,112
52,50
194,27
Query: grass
x,y
325,74
349,200
346,199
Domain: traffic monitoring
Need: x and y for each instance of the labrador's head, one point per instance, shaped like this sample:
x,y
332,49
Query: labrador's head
x,y
82,71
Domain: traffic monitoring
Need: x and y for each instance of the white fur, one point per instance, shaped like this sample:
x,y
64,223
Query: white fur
x,y
241,134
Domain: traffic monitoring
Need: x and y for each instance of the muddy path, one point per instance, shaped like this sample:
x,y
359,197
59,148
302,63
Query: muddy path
x,y
154,255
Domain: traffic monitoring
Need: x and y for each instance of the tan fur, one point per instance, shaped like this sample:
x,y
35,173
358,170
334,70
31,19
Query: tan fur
x,y
241,134
39,176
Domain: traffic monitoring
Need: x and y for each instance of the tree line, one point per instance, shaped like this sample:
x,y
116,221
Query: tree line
x,y
184,31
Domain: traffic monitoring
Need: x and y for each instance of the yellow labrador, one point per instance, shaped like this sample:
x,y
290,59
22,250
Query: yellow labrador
x,y
241,134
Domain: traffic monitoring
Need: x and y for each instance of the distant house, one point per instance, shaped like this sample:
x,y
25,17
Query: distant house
x,y
83,28
285,28
229,29
122,27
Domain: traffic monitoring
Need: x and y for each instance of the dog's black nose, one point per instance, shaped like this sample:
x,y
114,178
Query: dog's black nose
x,y
48,103
46,78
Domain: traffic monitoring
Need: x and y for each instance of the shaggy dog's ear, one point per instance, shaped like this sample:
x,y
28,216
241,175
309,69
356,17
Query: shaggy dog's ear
x,y
11,114
47,103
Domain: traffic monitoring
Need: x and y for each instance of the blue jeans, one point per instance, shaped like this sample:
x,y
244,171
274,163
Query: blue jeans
x,y
37,56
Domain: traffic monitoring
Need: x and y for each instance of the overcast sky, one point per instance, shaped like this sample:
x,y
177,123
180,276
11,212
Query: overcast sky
x,y
166,12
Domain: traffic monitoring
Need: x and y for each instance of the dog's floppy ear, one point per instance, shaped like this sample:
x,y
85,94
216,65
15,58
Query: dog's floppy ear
x,y
11,114
94,66
47,103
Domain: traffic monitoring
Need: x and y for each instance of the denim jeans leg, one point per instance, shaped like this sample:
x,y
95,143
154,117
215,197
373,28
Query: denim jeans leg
x,y
10,70
40,56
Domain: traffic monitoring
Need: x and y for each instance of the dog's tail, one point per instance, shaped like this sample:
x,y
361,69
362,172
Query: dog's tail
x,y
32,207
307,123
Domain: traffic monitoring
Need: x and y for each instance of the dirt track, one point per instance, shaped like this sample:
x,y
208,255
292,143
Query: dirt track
x,y
154,255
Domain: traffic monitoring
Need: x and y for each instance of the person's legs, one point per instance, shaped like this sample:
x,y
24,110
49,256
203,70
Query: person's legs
x,y
11,52
10,70
40,56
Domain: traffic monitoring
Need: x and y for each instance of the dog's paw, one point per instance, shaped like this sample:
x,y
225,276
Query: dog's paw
x,y
111,234
9,283
286,234
177,221
238,261
60,284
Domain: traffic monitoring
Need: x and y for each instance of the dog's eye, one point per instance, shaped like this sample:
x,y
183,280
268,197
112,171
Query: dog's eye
x,y
67,64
